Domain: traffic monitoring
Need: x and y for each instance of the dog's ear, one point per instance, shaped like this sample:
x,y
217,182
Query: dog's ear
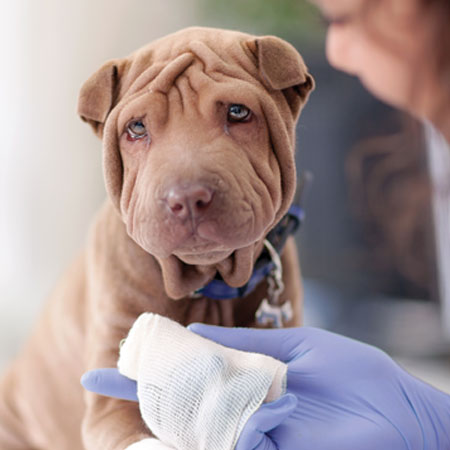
x,y
282,68
98,94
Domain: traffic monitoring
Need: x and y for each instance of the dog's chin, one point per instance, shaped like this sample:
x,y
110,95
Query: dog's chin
x,y
203,258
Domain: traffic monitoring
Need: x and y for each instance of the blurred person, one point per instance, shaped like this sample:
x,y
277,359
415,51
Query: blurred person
x,y
343,393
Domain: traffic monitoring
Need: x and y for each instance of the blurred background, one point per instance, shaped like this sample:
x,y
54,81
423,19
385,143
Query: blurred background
x,y
367,247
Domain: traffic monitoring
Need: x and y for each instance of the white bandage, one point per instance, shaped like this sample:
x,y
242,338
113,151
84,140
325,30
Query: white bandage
x,y
195,394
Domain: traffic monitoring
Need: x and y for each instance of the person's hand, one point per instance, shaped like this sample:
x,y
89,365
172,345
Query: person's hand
x,y
350,395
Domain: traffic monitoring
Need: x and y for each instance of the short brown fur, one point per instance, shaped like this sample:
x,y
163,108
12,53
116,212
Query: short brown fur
x,y
117,278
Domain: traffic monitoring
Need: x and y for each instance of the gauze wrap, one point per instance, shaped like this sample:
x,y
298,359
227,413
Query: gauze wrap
x,y
195,394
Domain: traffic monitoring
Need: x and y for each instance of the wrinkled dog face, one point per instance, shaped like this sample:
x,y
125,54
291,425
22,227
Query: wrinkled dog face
x,y
199,171
200,126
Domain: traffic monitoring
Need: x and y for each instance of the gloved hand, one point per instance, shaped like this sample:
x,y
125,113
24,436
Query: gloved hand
x,y
350,395
196,400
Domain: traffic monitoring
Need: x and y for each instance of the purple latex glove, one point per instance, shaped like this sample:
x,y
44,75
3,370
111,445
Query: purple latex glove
x,y
111,383
350,395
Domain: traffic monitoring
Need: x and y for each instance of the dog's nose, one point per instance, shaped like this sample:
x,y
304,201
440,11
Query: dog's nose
x,y
189,201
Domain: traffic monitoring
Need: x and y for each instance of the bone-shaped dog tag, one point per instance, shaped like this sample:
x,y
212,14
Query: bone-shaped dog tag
x,y
274,315
270,312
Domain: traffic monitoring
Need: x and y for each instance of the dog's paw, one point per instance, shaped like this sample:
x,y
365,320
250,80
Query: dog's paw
x,y
149,444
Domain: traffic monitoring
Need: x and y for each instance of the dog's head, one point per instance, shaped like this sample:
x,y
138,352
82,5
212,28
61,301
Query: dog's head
x,y
198,136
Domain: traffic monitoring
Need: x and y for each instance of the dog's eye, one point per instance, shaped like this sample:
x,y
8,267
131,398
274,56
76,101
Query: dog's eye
x,y
238,113
136,130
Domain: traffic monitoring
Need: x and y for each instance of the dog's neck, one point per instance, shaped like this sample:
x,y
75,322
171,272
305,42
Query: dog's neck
x,y
181,280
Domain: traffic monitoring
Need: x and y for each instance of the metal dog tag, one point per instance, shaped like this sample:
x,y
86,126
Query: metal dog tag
x,y
270,312
274,315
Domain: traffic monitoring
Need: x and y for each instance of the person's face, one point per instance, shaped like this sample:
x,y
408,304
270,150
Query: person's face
x,y
383,46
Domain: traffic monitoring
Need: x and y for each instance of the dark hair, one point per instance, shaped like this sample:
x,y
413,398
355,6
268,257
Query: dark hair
x,y
388,175
390,194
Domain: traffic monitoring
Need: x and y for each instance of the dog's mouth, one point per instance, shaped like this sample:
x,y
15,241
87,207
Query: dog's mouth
x,y
209,243
202,252
204,258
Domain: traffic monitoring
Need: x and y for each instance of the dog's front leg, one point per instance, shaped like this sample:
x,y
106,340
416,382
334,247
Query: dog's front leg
x,y
113,424
114,301
108,423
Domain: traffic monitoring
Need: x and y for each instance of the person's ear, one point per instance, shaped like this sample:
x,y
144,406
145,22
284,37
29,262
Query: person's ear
x,y
282,68
99,93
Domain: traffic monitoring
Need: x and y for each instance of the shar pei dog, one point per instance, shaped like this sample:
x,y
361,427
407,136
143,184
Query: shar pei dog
x,y
198,133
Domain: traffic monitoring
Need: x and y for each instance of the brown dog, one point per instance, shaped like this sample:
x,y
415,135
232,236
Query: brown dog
x,y
198,140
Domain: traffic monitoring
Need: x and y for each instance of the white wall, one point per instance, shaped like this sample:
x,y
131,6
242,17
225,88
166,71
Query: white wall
x,y
50,162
